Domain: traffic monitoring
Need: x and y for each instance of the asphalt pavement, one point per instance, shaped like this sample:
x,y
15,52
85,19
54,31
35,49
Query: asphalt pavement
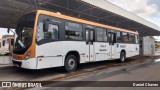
x,y
5,61
135,69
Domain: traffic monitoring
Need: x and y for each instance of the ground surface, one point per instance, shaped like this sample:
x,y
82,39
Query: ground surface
x,y
135,69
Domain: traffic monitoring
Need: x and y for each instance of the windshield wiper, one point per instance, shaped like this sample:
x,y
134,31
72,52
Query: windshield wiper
x,y
20,43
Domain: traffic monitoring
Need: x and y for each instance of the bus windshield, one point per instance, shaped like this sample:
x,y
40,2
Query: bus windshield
x,y
24,33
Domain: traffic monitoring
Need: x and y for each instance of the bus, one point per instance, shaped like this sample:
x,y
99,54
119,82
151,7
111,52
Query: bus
x,y
1,46
45,39
7,45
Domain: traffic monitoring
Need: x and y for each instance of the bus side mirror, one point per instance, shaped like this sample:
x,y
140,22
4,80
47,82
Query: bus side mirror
x,y
45,26
8,30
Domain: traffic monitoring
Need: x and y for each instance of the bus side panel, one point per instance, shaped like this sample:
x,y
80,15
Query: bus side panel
x,y
102,51
49,55
130,49
78,46
53,54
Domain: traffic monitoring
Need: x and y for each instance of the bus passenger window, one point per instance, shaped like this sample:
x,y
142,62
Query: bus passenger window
x,y
132,39
73,31
52,32
119,39
101,34
125,37
40,34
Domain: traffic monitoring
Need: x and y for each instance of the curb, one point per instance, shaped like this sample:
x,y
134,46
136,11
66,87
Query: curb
x,y
6,67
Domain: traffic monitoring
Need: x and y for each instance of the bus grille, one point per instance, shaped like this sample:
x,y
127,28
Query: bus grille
x,y
16,63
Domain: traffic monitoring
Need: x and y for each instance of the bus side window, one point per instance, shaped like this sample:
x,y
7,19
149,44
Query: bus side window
x,y
40,34
73,31
52,32
132,38
125,37
119,37
101,34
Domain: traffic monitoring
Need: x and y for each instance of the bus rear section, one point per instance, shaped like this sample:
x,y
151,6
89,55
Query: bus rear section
x,y
8,43
1,47
47,39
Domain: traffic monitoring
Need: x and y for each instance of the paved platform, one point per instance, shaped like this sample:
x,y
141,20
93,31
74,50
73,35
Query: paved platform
x,y
5,61
147,71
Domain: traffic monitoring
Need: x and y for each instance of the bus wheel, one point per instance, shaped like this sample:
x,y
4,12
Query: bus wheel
x,y
122,57
70,63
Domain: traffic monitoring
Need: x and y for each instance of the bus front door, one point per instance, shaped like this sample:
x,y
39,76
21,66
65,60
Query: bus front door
x,y
112,41
89,55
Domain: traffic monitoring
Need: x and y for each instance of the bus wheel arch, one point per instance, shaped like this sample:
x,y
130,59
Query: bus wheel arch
x,y
71,61
122,56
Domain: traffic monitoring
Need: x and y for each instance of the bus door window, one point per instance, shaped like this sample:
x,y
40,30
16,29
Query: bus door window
x,y
91,37
112,38
87,37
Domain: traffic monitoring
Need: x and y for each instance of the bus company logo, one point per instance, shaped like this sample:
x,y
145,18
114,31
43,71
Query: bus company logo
x,y
6,84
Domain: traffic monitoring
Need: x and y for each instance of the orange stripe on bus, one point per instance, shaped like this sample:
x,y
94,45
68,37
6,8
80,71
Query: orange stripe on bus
x,y
83,21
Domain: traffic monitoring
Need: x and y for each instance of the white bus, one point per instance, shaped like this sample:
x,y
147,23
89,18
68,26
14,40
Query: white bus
x,y
1,46
7,45
46,39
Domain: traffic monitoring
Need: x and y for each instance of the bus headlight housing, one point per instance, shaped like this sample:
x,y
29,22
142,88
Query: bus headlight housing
x,y
27,55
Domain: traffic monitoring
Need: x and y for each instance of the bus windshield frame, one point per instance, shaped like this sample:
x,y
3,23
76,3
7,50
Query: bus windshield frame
x,y
24,33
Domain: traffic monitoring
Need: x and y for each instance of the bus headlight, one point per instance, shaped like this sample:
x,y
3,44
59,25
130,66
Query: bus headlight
x,y
27,55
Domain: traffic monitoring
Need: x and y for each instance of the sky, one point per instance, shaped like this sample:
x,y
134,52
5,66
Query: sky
x,y
3,31
147,9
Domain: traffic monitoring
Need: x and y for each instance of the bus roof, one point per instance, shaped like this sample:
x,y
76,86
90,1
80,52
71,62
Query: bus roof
x,y
7,38
83,21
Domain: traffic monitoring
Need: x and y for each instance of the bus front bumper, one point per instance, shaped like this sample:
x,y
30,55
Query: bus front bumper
x,y
27,64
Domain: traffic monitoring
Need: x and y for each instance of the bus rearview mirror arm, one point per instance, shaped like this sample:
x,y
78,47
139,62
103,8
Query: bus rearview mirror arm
x,y
9,29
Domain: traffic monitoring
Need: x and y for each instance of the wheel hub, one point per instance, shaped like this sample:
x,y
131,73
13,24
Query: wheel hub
x,y
71,63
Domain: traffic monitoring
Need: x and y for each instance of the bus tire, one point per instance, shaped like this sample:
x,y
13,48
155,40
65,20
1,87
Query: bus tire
x,y
122,57
70,63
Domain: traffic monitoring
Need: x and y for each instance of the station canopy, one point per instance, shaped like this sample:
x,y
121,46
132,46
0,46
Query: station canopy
x,y
100,11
